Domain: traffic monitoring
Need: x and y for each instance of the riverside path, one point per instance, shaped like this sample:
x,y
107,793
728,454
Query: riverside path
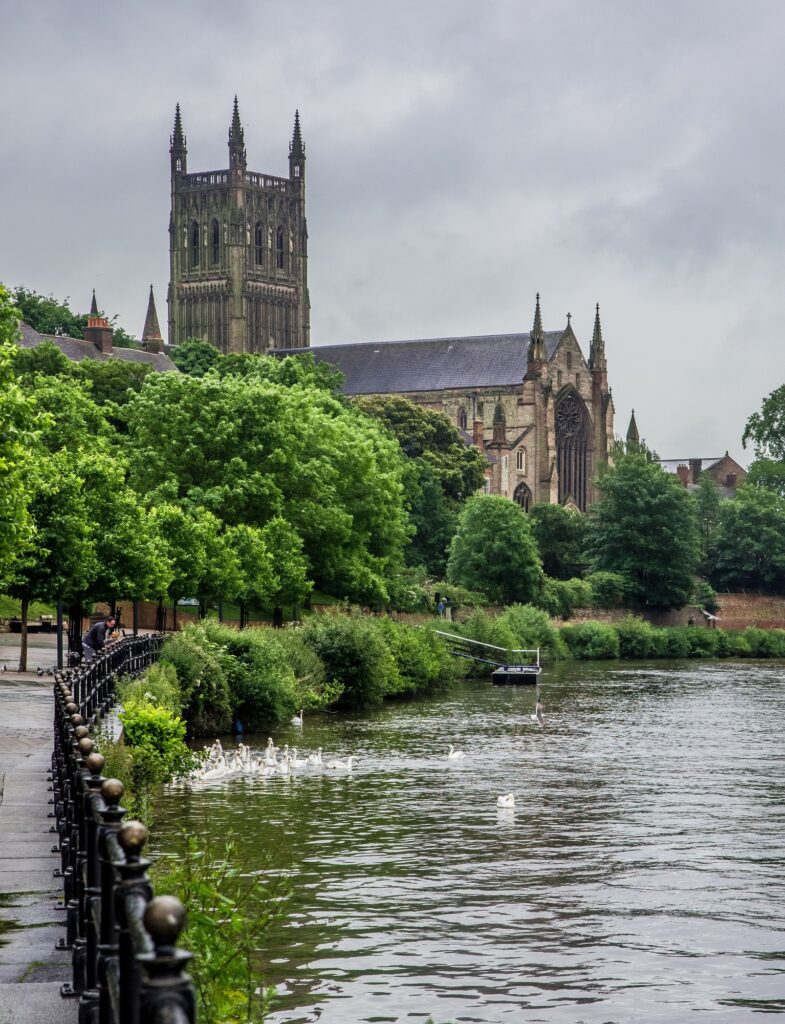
x,y
31,969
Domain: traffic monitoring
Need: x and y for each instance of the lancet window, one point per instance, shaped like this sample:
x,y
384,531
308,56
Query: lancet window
x,y
522,496
258,244
194,244
573,433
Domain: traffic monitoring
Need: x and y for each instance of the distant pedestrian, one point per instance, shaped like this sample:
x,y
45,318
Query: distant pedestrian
x,y
691,621
440,609
94,639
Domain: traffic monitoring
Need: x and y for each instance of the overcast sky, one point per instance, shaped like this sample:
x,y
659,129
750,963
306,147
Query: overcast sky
x,y
461,157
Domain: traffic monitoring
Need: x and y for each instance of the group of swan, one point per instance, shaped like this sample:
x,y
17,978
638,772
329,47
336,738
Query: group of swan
x,y
220,764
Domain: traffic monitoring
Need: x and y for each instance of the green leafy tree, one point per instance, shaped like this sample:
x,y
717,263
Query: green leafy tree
x,y
643,527
288,371
45,359
195,357
290,568
707,504
255,563
60,560
249,450
560,534
433,516
18,420
494,551
765,431
429,435
748,546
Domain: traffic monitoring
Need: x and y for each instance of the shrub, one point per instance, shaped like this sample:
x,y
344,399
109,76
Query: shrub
x,y
532,627
259,676
562,597
703,643
487,629
636,638
354,653
159,685
677,641
161,734
226,968
422,660
609,589
206,703
314,690
589,641
704,596
765,643
659,643
726,646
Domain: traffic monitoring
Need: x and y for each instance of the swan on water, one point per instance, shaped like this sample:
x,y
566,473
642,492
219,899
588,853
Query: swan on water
x,y
453,754
341,765
505,801
316,758
297,762
538,716
298,719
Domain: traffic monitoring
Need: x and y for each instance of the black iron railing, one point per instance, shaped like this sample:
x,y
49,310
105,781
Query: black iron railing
x,y
126,967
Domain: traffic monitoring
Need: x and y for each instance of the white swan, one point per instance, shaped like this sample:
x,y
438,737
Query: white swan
x,y
298,719
316,758
283,767
297,762
453,754
505,801
538,716
341,765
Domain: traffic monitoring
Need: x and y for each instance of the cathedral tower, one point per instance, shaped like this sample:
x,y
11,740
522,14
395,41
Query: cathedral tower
x,y
238,250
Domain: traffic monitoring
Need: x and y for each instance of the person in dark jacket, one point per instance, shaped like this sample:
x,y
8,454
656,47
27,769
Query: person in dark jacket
x,y
95,638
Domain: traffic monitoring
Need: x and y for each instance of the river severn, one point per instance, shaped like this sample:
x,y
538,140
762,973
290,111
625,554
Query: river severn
x,y
638,877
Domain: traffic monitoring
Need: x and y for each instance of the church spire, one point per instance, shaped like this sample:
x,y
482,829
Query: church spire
x,y
296,148
151,333
94,306
236,139
633,437
597,359
537,336
177,147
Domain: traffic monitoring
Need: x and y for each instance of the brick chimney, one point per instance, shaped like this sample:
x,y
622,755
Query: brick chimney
x,y
683,473
98,330
478,432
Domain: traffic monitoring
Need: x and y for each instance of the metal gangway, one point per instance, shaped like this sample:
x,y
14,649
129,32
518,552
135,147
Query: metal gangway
x,y
507,671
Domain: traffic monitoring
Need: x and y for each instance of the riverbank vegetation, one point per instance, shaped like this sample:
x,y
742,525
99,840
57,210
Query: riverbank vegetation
x,y
252,482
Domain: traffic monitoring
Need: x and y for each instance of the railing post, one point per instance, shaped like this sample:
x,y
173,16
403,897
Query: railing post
x,y
88,1004
167,991
132,895
108,949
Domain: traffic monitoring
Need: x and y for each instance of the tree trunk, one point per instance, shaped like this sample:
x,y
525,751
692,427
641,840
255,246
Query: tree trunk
x,y
59,634
220,611
136,618
174,615
242,615
23,638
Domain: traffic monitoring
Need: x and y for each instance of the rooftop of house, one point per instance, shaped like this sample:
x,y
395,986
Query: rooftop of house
x,y
430,364
78,349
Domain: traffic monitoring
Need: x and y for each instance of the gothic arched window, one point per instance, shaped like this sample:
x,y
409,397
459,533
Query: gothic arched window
x,y
573,442
462,418
520,461
522,496
499,424
215,232
258,244
194,244
279,249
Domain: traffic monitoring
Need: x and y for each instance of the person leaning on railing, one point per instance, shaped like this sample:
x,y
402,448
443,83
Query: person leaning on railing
x,y
95,638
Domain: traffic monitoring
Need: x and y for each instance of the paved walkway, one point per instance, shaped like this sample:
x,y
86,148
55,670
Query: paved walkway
x,y
31,970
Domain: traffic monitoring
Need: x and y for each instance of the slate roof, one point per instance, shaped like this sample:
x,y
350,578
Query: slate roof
x,y
672,465
432,364
78,349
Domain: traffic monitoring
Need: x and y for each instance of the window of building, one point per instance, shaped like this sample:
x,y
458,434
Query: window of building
x,y
462,418
297,172
215,231
521,460
569,360
279,249
258,244
558,378
522,496
577,380
194,244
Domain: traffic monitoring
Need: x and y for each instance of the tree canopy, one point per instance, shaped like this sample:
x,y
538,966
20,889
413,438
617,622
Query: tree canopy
x,y
765,431
747,548
494,551
643,527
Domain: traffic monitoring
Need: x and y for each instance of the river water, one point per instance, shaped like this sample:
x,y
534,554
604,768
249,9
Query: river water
x,y
638,878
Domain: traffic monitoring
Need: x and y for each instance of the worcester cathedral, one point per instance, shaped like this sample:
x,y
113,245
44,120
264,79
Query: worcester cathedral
x,y
539,410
